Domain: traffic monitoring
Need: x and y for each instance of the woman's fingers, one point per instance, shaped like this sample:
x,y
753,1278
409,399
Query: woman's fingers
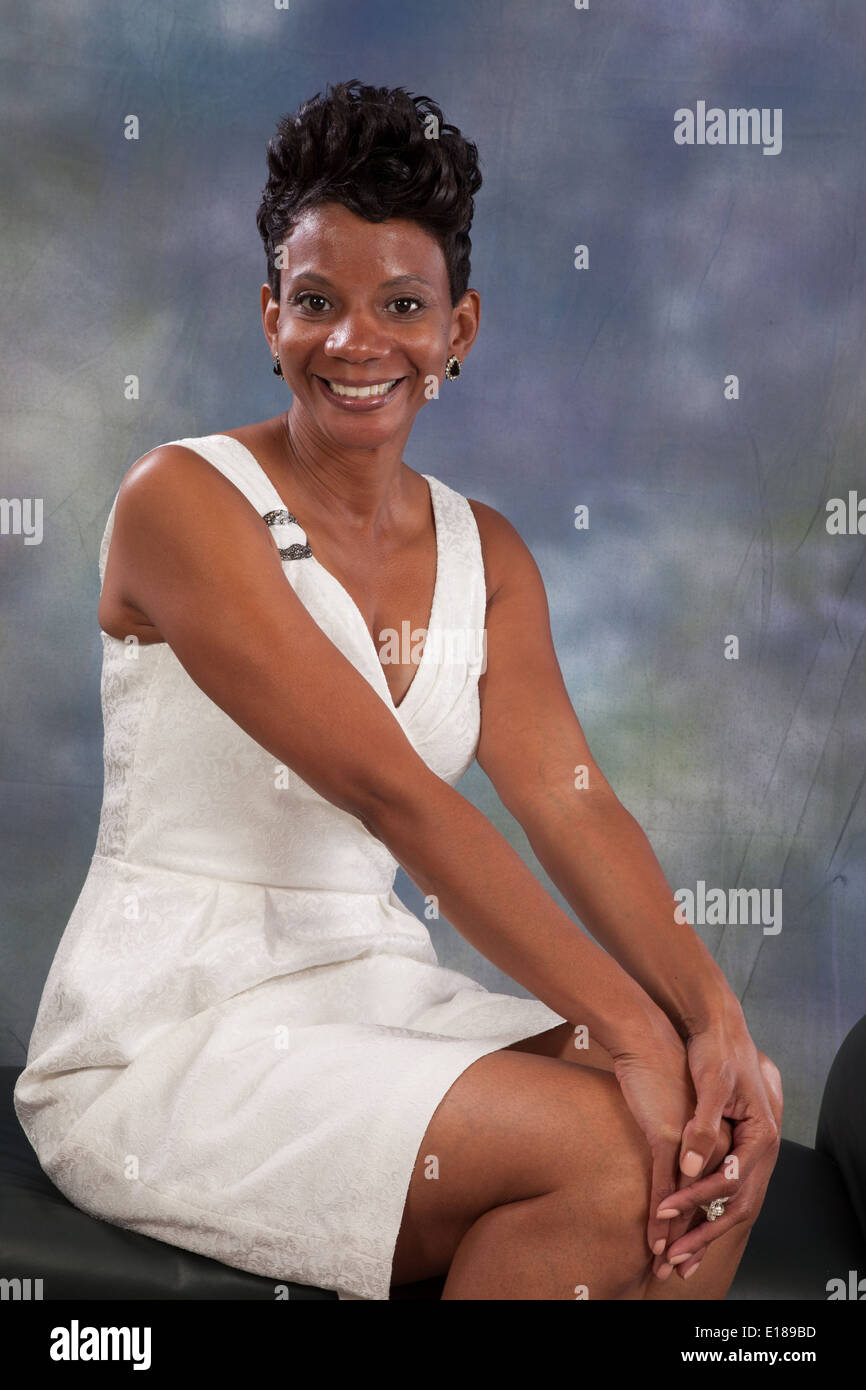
x,y
712,1161
687,1267
650,1082
725,1183
664,1174
756,1138
742,1202
702,1133
679,1227
741,1180
675,1230
702,1146
688,1201
743,1207
699,1236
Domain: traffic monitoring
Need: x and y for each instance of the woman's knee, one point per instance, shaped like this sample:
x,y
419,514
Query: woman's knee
x,y
610,1195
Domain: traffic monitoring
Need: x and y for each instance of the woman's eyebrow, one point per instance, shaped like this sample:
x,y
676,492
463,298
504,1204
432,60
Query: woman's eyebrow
x,y
386,284
406,279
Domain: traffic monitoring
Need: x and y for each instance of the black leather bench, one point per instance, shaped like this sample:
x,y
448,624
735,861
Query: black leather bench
x,y
811,1230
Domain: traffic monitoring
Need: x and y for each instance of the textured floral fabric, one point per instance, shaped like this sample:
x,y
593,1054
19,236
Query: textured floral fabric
x,y
244,1032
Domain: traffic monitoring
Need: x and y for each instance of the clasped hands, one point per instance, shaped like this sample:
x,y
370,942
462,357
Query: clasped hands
x,y
710,1106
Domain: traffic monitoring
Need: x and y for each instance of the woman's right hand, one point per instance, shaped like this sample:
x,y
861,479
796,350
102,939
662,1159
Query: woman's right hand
x,y
656,1084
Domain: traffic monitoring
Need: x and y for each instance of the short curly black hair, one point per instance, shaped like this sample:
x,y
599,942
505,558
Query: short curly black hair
x,y
382,153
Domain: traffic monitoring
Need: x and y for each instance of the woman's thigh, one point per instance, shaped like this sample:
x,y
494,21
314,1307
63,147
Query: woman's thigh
x,y
519,1123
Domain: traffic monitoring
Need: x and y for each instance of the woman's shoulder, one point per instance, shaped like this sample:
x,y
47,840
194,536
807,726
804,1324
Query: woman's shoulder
x,y
182,479
159,458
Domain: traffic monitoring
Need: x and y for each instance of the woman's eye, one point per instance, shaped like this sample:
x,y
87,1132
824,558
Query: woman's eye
x,y
309,294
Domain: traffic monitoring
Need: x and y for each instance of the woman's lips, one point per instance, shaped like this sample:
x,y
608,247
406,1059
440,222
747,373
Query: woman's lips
x,y
359,403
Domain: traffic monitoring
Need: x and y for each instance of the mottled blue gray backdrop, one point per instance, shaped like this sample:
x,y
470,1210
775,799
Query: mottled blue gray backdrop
x,y
601,386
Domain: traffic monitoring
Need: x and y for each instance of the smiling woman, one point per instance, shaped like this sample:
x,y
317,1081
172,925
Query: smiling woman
x,y
246,1045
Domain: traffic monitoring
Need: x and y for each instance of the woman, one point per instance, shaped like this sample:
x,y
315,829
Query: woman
x,y
246,1046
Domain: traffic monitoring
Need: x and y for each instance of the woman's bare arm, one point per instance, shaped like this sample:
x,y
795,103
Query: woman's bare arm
x,y
194,557
532,747
535,752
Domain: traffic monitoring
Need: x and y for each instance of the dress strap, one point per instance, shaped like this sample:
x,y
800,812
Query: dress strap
x,y
464,597
236,463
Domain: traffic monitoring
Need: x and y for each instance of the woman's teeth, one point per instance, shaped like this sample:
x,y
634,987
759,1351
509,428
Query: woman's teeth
x,y
380,390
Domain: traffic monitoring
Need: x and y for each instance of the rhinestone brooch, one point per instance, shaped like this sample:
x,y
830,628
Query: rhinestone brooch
x,y
297,550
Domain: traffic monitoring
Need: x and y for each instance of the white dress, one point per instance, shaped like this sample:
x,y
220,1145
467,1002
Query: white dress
x,y
245,1033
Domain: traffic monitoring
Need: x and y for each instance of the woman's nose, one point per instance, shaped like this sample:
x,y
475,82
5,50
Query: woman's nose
x,y
357,333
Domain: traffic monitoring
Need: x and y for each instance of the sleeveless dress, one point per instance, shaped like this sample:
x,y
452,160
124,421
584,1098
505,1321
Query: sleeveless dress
x,y
244,1032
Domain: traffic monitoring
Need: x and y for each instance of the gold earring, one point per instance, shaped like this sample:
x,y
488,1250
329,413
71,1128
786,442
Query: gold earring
x,y
452,368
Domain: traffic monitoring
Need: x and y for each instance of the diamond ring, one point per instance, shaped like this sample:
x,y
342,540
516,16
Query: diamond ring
x,y
715,1209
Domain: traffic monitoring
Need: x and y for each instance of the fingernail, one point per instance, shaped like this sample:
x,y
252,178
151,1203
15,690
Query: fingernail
x,y
664,1212
692,1164
694,1269
663,1271
659,1246
678,1259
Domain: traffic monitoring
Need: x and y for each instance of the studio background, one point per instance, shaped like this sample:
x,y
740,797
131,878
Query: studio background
x,y
601,386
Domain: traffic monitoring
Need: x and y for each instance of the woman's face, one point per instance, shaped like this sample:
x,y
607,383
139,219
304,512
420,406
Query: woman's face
x,y
364,303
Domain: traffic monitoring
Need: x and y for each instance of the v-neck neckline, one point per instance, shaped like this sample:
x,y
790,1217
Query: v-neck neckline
x,y
432,620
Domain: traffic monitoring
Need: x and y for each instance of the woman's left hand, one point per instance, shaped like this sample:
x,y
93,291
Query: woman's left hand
x,y
732,1080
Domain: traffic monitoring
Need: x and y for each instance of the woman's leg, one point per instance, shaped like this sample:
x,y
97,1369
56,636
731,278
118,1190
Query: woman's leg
x,y
541,1189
